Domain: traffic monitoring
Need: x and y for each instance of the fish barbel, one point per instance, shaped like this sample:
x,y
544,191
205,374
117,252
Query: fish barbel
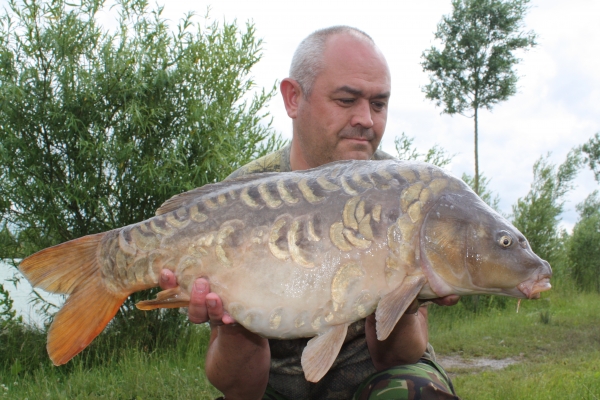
x,y
297,254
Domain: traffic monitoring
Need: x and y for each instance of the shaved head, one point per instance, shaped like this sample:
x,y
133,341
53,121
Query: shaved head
x,y
308,60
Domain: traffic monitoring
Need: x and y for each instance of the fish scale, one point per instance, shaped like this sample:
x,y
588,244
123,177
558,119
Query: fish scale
x,y
298,254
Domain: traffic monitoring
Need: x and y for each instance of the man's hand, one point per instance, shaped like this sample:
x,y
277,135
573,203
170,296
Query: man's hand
x,y
237,361
204,305
449,300
408,340
446,300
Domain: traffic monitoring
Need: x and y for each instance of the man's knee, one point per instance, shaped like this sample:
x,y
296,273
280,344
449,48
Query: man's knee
x,y
424,380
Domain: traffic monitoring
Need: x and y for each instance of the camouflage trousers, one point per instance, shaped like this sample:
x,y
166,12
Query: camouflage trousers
x,y
425,380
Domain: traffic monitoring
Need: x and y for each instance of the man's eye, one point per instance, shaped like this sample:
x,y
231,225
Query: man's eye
x,y
378,105
346,101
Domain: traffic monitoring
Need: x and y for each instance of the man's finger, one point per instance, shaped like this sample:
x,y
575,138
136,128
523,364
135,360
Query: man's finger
x,y
216,313
447,300
197,311
215,309
228,319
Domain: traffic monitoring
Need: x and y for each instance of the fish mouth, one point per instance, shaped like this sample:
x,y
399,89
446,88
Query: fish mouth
x,y
533,287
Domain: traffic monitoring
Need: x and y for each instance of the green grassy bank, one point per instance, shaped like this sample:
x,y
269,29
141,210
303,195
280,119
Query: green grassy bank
x,y
555,342
108,369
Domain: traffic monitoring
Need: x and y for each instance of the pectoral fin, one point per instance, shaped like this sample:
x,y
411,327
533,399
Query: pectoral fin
x,y
393,305
321,351
170,298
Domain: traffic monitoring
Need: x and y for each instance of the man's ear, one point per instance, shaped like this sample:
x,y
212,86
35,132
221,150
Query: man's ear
x,y
291,93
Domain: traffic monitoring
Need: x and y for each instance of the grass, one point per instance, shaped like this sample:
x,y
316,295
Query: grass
x,y
556,341
122,372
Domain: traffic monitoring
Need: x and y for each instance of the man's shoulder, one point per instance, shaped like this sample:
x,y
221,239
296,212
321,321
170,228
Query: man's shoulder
x,y
382,155
277,161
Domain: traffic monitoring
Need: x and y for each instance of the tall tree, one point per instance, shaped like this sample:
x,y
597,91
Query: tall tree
x,y
475,68
99,128
536,214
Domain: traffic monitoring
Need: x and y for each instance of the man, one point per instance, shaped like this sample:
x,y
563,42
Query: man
x,y
337,96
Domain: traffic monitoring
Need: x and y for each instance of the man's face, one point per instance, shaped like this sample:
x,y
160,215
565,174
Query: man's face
x,y
344,118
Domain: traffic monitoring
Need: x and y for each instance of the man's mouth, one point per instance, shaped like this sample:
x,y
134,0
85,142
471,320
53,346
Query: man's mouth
x,y
362,135
357,139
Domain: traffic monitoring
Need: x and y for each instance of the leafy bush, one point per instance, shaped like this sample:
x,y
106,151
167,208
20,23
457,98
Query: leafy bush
x,y
7,314
584,245
100,127
537,214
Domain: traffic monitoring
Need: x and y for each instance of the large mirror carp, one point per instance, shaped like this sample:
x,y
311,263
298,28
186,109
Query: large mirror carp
x,y
297,254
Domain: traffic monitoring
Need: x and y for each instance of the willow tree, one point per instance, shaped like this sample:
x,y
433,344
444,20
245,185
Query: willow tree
x,y
99,127
475,68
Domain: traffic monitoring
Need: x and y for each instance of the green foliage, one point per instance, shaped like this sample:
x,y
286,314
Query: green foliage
x,y
108,368
435,155
475,68
536,214
99,128
7,314
8,243
592,152
584,246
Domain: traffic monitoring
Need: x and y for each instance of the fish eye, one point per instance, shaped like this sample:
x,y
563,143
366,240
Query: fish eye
x,y
505,241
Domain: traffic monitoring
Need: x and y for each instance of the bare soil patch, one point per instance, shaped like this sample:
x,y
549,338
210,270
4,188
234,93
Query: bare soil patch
x,y
456,363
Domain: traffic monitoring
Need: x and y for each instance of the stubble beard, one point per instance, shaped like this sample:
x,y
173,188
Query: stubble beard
x,y
316,154
349,151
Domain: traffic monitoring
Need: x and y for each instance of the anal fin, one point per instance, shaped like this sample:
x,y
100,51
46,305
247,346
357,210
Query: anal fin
x,y
169,298
393,305
321,351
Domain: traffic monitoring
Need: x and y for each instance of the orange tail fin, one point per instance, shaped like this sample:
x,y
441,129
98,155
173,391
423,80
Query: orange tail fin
x,y
72,268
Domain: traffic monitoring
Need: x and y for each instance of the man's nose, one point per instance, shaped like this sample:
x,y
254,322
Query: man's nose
x,y
362,114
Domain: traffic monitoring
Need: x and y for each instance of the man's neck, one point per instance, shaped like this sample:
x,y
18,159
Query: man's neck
x,y
297,161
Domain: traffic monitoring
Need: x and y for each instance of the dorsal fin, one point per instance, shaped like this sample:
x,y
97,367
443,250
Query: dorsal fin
x,y
189,197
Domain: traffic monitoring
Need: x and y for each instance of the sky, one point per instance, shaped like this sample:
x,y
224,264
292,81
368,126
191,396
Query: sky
x,y
556,108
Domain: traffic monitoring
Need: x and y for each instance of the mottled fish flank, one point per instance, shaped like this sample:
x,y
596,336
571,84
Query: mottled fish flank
x,y
297,254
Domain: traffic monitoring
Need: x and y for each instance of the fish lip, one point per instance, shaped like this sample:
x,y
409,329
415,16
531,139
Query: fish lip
x,y
532,288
